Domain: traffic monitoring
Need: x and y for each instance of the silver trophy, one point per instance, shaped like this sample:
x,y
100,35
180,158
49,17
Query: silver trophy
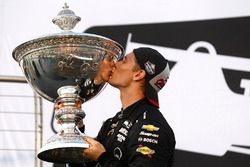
x,y
61,68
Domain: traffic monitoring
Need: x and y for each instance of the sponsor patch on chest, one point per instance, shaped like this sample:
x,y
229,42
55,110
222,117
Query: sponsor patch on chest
x,y
150,127
145,151
148,140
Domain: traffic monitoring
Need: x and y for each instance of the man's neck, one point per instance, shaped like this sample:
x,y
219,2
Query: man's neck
x,y
130,97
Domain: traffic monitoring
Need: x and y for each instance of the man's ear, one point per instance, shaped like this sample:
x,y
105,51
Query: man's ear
x,y
139,75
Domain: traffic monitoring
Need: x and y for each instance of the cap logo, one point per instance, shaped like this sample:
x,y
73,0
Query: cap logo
x,y
160,80
150,68
160,83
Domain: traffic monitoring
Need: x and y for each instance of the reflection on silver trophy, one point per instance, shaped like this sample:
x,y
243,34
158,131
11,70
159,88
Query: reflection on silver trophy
x,y
61,68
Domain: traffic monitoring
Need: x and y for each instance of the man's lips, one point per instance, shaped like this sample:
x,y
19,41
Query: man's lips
x,y
110,74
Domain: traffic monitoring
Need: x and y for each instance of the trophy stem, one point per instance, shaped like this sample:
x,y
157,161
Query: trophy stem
x,y
68,127
68,105
68,144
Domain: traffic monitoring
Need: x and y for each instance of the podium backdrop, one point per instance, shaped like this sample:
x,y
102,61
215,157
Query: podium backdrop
x,y
206,100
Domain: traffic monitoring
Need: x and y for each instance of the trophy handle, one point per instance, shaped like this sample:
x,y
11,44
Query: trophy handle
x,y
80,133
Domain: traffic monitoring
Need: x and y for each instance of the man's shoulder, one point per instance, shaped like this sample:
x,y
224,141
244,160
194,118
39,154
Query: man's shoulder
x,y
152,113
152,123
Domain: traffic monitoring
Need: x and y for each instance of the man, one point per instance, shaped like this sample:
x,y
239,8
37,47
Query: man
x,y
138,135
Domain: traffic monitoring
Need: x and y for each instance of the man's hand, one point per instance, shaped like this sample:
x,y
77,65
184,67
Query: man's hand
x,y
95,150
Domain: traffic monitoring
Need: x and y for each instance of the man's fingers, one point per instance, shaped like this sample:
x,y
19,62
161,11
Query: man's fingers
x,y
90,140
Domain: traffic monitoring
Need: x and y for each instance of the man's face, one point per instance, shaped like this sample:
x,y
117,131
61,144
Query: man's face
x,y
122,73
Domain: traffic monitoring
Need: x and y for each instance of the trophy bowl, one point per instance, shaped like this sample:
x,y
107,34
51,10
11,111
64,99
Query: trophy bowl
x,y
61,68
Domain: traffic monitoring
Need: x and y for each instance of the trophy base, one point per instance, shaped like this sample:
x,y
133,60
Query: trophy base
x,y
62,149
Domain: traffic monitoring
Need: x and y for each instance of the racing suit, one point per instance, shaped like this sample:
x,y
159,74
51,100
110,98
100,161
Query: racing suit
x,y
138,136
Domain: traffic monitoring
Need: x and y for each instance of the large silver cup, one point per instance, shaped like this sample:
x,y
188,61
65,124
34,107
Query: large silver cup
x,y
62,68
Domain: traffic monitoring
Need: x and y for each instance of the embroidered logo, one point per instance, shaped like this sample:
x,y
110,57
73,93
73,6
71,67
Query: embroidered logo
x,y
111,132
150,127
148,134
120,137
145,150
124,131
127,124
150,68
118,153
160,83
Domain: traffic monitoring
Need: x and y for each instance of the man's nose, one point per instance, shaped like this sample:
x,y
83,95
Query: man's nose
x,y
113,67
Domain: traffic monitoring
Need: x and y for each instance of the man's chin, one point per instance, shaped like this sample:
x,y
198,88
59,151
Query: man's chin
x,y
110,81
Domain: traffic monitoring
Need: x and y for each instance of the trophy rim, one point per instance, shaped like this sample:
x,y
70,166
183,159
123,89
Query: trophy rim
x,y
48,149
29,46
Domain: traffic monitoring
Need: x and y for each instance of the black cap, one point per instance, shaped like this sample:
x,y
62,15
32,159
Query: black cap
x,y
157,71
